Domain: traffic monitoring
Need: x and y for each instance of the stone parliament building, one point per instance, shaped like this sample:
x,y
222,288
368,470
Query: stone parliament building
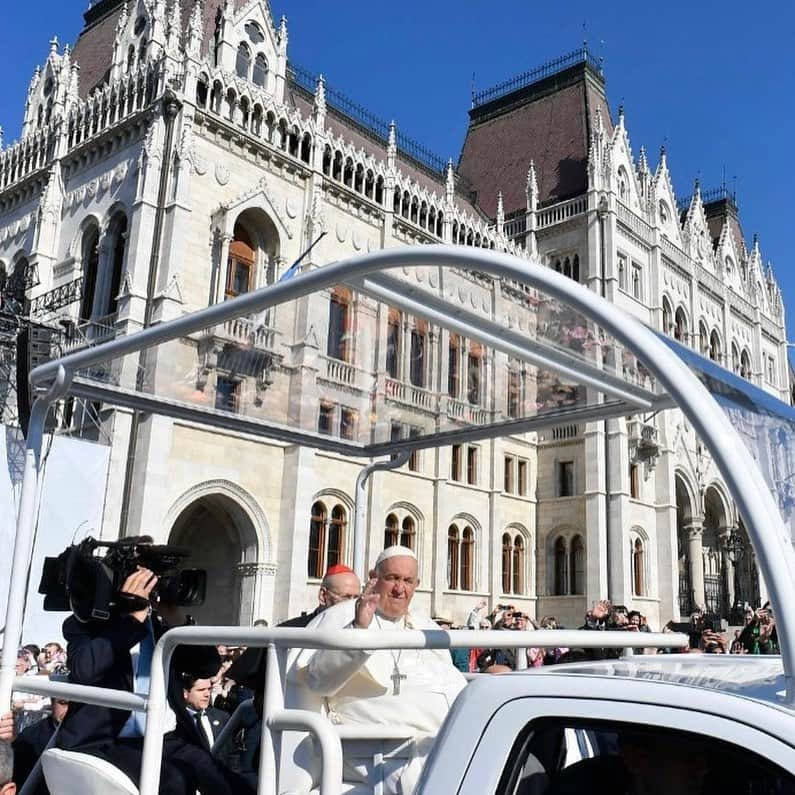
x,y
174,157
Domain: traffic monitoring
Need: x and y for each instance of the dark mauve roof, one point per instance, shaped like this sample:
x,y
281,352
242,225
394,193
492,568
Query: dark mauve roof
x,y
93,50
549,122
720,213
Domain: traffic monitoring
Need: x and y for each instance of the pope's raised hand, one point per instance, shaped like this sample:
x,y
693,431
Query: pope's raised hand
x,y
366,605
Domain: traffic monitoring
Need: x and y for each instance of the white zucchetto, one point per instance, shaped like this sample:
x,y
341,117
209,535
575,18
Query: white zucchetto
x,y
395,551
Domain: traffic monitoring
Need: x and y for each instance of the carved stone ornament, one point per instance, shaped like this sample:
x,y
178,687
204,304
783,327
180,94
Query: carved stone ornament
x,y
199,165
253,569
221,174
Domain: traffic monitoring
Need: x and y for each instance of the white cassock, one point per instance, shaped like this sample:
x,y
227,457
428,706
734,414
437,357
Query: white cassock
x,y
412,688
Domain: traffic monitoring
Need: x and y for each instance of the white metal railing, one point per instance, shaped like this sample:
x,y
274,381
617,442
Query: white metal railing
x,y
563,211
277,718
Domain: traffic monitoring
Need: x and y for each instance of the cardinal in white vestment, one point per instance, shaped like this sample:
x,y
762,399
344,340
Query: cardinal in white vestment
x,y
413,688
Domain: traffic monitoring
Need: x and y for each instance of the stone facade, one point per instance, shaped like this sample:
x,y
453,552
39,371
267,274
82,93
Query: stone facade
x,y
196,165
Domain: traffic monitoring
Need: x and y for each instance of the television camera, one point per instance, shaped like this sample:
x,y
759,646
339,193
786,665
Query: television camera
x,y
87,578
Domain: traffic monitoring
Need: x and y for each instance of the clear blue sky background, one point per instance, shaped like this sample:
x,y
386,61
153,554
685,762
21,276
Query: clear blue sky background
x,y
715,81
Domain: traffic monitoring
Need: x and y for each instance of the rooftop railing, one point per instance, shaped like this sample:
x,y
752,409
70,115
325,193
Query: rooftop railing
x,y
553,67
711,195
369,121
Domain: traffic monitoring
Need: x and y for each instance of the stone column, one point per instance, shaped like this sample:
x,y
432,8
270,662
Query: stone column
x,y
728,566
219,285
695,551
256,581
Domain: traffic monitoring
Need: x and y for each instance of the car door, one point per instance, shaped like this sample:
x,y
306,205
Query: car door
x,y
537,745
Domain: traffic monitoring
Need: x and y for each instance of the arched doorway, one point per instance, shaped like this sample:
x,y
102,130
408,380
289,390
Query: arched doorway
x,y
220,535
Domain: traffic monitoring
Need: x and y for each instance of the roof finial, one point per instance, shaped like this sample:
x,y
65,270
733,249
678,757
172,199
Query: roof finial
x,y
320,94
54,44
450,181
531,186
643,165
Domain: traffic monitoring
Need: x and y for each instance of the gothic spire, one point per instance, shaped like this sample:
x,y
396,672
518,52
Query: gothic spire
x,y
531,188
450,182
195,30
320,95
121,24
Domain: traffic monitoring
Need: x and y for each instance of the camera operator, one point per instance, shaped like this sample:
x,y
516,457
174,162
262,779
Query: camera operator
x,y
99,654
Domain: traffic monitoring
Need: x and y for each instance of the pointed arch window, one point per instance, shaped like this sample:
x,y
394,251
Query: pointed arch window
x,y
518,565
474,373
259,74
393,344
90,267
336,536
243,61
326,546
515,401
680,326
408,533
419,345
745,365
714,347
317,540
460,558
703,339
667,317
340,321
638,568
560,586
240,265
118,237
453,365
735,359
577,566
391,531
507,561
453,557
467,559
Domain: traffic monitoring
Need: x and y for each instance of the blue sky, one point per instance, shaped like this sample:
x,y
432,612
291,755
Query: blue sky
x,y
716,83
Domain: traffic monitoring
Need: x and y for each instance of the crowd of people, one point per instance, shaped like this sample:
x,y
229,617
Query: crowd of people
x,y
413,688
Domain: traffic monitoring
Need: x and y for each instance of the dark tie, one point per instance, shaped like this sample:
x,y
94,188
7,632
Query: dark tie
x,y
200,728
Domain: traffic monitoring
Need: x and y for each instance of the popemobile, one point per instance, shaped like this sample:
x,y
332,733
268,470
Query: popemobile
x,y
649,723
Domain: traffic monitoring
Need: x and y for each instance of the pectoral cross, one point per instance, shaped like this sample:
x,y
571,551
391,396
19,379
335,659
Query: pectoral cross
x,y
396,677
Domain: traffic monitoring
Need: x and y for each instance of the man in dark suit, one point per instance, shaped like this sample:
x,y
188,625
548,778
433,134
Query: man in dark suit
x,y
207,722
31,743
98,653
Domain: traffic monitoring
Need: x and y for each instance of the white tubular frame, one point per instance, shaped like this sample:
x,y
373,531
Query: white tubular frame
x,y
278,640
766,530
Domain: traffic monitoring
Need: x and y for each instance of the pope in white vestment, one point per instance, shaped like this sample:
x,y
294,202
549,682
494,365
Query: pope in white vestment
x,y
411,688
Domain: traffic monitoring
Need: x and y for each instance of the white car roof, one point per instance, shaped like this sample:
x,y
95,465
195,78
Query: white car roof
x,y
747,688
